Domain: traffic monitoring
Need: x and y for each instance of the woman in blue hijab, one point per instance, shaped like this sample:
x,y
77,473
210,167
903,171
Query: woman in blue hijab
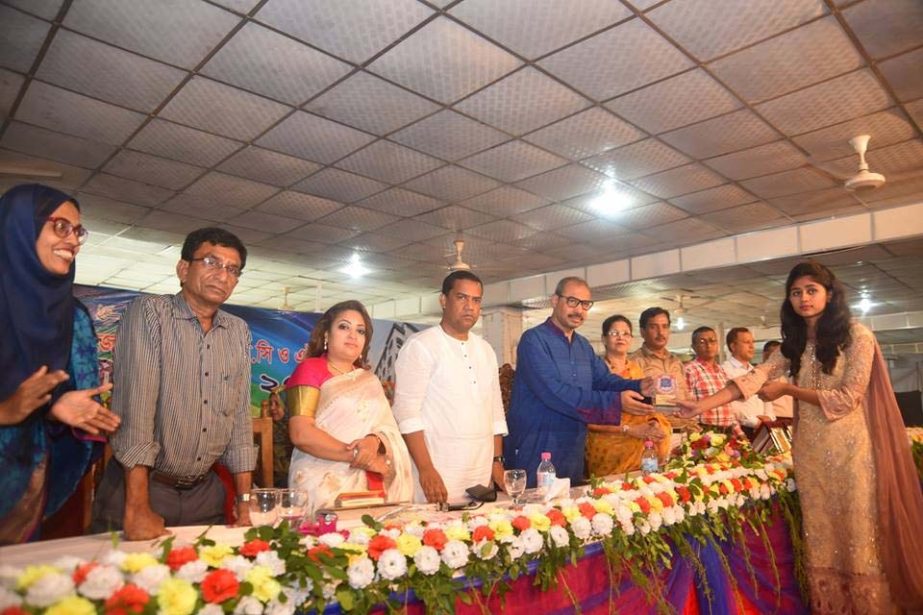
x,y
50,420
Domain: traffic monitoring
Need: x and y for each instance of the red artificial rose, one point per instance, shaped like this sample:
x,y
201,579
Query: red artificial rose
x,y
738,486
181,556
648,479
626,486
644,504
664,497
81,572
435,538
253,547
684,494
556,517
314,553
521,523
748,484
219,585
601,491
379,545
671,474
723,489
482,532
700,444
13,610
129,599
586,509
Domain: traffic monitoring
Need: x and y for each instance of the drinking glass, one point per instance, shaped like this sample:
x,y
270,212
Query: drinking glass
x,y
292,505
264,506
515,483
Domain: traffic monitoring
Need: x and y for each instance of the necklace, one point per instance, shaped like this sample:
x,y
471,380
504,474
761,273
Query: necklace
x,y
337,369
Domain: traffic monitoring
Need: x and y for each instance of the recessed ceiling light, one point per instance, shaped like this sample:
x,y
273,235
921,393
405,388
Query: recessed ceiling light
x,y
611,200
355,268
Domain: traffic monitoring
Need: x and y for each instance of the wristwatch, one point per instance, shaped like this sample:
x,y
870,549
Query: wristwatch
x,y
240,498
499,459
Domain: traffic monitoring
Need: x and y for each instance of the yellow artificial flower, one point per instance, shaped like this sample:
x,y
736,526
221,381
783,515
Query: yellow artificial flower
x,y
265,587
408,544
72,605
603,506
502,528
694,436
135,562
176,597
457,532
722,456
718,439
570,513
540,522
32,574
352,547
634,507
213,555
656,503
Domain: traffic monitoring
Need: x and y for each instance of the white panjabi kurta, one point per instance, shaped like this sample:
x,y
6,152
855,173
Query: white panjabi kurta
x,y
450,389
749,410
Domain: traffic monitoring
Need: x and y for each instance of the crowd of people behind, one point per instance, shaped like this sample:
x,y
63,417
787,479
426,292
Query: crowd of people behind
x,y
180,404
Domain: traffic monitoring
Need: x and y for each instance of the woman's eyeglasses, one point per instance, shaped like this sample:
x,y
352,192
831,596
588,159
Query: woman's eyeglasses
x,y
614,333
63,227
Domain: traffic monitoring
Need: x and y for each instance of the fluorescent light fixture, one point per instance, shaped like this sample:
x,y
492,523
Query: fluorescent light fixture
x,y
355,268
611,200
865,304
680,323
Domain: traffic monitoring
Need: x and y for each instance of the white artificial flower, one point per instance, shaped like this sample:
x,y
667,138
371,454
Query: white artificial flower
x,y
335,539
193,571
49,589
211,609
358,538
329,590
249,605
655,519
581,528
8,599
277,608
486,549
628,528
623,513
559,536
765,493
532,541
298,596
271,560
790,485
150,578
427,560
360,573
392,564
68,563
761,474
414,529
114,558
455,554
602,524
101,582
392,533
239,565
516,548
644,527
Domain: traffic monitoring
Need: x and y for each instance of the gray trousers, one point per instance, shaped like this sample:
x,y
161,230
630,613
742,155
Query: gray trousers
x,y
201,505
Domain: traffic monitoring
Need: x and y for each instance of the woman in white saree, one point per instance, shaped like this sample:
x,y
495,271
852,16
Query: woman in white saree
x,y
345,436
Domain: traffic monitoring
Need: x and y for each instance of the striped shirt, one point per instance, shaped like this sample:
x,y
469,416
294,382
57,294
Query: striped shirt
x,y
704,379
183,394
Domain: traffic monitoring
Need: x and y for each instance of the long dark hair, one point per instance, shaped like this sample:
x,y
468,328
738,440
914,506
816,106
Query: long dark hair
x,y
832,335
325,324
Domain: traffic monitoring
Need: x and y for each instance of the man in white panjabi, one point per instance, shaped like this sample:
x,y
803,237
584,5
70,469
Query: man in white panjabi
x,y
749,411
447,399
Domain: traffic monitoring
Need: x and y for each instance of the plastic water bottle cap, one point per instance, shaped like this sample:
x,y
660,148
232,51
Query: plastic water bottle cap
x,y
546,456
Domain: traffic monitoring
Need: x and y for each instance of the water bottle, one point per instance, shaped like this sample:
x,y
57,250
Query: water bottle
x,y
649,461
545,475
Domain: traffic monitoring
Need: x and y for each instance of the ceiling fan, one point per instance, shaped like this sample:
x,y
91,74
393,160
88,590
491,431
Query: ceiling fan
x,y
680,309
863,180
459,264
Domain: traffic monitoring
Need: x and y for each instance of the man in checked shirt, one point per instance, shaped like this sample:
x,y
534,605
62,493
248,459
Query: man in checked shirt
x,y
182,370
704,377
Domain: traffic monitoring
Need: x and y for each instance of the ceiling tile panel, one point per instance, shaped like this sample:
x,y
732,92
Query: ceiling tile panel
x,y
905,75
915,109
590,203
10,84
454,218
564,183
389,162
230,190
314,138
761,160
710,28
401,202
209,105
585,134
351,29
890,160
93,207
885,128
182,143
542,242
818,202
846,97
886,27
804,56
181,32
127,190
358,219
551,217
267,222
533,28
371,104
46,9
444,61
635,56
674,102
523,101
682,180
421,252
377,242
646,216
504,231
55,145
263,165
339,185
745,218
89,67
713,199
513,161
241,6
174,222
418,231
734,131
71,176
57,109
592,231
322,233
787,182
262,61
299,206
449,135
452,184
505,201
152,170
642,158
685,232
248,236
21,38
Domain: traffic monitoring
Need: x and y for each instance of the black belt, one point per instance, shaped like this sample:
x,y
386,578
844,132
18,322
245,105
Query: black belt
x,y
178,482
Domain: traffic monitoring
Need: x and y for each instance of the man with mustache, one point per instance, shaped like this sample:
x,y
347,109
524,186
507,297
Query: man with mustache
x,y
560,386
653,356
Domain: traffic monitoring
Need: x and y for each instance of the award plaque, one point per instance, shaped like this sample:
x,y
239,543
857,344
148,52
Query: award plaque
x,y
665,392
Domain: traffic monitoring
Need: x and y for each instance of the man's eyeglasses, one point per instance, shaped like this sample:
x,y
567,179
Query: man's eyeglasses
x,y
62,227
574,302
614,333
212,262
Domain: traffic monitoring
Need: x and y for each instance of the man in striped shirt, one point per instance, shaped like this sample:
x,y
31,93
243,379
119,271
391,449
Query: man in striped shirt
x,y
705,377
182,390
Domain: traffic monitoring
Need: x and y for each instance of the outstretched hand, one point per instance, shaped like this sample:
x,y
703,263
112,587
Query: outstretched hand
x,y
633,403
34,392
688,409
79,409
